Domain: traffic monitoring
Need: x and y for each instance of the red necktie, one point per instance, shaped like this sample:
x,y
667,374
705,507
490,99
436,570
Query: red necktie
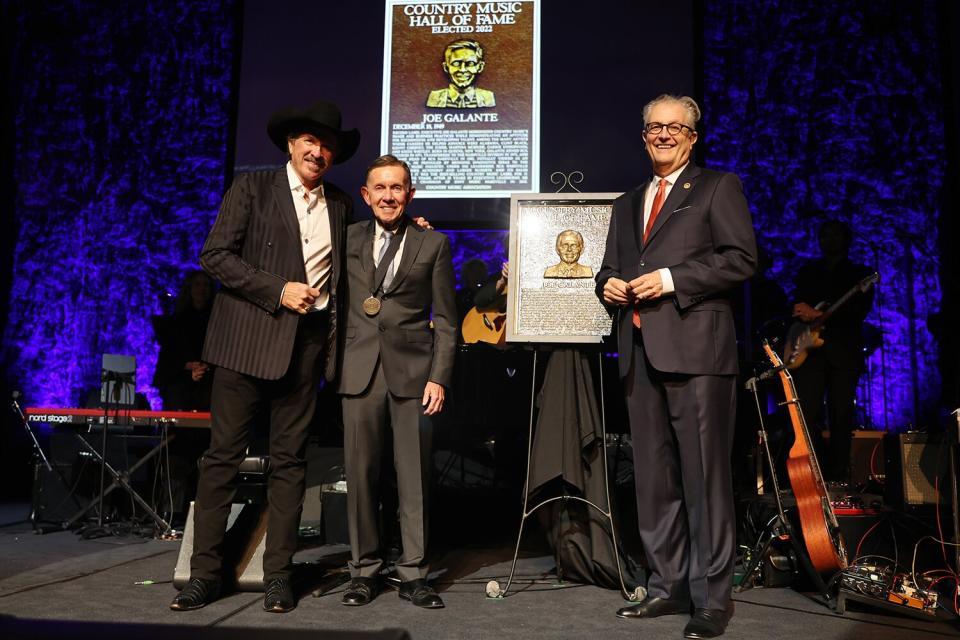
x,y
654,210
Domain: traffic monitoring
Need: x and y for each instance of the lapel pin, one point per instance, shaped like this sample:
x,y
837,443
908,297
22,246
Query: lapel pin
x,y
686,185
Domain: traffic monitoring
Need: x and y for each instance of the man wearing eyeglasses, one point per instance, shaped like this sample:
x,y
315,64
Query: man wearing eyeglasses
x,y
677,245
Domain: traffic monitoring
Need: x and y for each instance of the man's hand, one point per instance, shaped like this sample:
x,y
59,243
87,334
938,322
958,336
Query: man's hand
x,y
649,286
616,291
504,276
197,370
432,398
422,222
299,297
805,313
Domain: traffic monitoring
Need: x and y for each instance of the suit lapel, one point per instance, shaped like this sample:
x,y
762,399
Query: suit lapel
x,y
366,252
412,241
335,215
678,195
284,199
635,221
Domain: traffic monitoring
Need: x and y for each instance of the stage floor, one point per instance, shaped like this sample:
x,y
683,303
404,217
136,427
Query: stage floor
x,y
114,581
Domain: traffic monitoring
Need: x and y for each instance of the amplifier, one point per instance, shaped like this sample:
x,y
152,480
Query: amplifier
x,y
917,470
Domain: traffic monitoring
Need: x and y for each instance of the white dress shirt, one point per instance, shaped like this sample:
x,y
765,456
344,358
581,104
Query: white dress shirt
x,y
314,235
378,242
648,198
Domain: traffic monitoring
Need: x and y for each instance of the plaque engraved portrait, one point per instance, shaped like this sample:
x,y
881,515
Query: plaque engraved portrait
x,y
569,248
551,301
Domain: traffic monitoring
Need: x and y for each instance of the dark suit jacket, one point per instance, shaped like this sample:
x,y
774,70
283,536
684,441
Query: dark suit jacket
x,y
253,250
400,335
704,235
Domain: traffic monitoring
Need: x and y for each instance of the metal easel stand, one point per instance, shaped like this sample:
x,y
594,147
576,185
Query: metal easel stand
x,y
778,527
493,589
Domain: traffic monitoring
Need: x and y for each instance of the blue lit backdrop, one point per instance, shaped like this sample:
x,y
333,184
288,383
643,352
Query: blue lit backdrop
x,y
120,138
840,111
121,148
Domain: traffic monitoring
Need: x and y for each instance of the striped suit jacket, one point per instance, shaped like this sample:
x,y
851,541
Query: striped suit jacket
x,y
252,251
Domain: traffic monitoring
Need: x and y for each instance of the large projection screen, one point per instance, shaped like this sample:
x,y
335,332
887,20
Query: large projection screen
x,y
461,95
593,78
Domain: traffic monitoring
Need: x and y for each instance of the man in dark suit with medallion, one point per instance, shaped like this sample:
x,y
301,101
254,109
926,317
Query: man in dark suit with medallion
x,y
400,340
277,250
676,247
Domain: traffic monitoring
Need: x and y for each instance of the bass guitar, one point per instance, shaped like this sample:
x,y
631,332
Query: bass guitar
x,y
802,337
821,531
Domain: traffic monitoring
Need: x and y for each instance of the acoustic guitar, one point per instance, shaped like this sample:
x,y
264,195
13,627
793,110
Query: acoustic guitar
x,y
484,326
802,337
821,531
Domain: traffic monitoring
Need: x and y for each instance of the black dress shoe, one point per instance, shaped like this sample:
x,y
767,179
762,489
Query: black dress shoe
x,y
708,623
420,594
278,596
360,591
655,607
198,593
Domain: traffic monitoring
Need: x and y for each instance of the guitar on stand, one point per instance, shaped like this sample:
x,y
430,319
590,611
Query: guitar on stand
x,y
821,531
824,552
803,337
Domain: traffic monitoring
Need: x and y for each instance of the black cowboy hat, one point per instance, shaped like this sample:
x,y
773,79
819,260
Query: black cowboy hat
x,y
320,118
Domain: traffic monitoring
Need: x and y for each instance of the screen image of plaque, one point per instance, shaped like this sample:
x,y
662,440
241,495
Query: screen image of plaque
x,y
556,246
461,96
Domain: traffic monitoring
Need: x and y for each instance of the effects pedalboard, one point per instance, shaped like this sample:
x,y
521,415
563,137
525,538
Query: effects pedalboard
x,y
880,586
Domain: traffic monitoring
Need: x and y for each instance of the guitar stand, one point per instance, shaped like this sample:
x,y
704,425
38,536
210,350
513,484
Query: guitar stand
x,y
493,589
779,526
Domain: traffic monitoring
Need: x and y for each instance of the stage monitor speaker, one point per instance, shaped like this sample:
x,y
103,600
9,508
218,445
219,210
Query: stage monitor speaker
x,y
243,548
917,470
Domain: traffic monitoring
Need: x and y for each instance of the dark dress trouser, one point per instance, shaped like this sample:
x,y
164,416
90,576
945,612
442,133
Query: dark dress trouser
x,y
237,399
682,430
366,419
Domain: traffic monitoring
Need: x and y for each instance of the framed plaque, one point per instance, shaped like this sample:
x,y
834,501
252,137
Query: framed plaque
x,y
557,242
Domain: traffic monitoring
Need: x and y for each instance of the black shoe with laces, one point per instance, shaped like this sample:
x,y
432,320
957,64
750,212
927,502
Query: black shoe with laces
x,y
421,594
278,596
197,594
359,592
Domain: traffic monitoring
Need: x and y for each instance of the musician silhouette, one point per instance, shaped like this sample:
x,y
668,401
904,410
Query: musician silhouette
x,y
832,371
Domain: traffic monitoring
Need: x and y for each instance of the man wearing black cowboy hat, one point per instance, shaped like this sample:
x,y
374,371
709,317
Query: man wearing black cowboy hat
x,y
277,249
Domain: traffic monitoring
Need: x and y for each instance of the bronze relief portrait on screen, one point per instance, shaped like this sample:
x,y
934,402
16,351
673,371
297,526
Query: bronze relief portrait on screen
x,y
463,63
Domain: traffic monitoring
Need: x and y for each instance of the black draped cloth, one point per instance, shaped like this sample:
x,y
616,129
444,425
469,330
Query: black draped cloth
x,y
567,459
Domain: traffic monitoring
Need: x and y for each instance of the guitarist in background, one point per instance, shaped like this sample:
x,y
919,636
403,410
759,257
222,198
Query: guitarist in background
x,y
834,369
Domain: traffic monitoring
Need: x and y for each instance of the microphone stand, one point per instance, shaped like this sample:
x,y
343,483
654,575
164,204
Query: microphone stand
x,y
38,454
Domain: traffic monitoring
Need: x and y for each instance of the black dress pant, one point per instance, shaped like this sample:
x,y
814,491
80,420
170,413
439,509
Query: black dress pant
x,y
237,399
682,431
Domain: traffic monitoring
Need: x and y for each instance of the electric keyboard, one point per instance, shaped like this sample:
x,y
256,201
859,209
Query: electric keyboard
x,y
122,417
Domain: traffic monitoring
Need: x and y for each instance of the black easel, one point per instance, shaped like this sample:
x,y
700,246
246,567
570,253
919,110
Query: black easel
x,y
493,589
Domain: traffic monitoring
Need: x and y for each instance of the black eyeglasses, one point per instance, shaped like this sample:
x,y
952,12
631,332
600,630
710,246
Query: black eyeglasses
x,y
674,128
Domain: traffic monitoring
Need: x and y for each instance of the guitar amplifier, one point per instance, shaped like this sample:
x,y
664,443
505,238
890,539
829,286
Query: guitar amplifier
x,y
866,457
917,470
